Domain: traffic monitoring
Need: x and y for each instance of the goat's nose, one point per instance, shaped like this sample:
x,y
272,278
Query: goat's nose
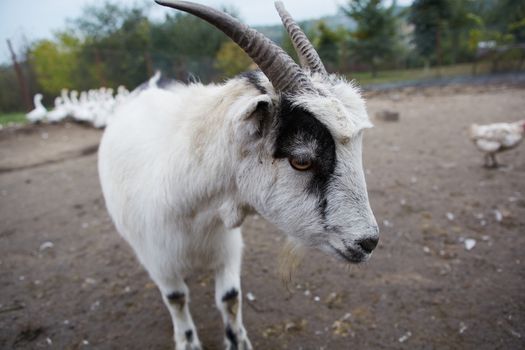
x,y
368,244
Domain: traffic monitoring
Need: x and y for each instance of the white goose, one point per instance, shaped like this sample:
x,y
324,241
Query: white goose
x,y
106,106
39,113
80,112
122,93
59,112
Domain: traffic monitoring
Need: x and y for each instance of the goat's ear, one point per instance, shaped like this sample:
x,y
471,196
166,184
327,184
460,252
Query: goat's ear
x,y
256,115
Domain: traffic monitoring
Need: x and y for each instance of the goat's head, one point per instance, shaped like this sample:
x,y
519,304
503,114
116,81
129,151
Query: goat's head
x,y
301,162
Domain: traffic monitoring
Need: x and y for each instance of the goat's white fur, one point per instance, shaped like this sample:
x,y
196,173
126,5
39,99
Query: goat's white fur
x,y
181,167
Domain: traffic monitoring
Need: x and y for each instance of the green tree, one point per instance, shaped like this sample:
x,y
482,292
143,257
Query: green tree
x,y
184,43
10,96
376,38
462,20
55,62
116,48
508,17
231,59
329,44
429,18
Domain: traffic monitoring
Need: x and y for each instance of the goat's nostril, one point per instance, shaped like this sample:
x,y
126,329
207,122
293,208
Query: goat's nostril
x,y
368,244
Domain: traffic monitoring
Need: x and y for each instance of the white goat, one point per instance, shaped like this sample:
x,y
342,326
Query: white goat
x,y
181,167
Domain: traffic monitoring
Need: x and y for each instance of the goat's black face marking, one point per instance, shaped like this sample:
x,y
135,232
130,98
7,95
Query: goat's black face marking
x,y
177,298
253,78
189,335
298,126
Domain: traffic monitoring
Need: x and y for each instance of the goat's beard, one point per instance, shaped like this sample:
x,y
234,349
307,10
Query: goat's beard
x,y
290,257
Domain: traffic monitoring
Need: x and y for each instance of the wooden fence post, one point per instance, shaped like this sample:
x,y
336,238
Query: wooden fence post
x,y
20,77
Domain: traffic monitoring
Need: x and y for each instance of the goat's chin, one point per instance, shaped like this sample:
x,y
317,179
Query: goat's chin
x,y
293,252
352,257
290,257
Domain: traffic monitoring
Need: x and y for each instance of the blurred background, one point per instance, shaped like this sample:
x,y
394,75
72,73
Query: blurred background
x,y
85,45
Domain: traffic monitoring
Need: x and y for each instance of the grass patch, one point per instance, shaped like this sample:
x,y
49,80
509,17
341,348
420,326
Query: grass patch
x,y
7,118
389,76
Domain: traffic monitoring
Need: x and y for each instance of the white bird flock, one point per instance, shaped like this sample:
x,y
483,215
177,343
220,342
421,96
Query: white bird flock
x,y
94,107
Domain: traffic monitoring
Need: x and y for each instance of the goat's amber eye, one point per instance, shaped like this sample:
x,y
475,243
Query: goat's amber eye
x,y
300,165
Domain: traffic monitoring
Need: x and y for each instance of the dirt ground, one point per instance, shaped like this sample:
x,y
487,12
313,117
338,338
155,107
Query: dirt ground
x,y
68,281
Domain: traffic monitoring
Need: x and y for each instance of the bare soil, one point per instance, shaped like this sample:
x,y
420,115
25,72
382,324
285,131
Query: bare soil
x,y
68,281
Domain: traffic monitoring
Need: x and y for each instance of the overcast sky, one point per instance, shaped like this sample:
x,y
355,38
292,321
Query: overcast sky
x,y
28,20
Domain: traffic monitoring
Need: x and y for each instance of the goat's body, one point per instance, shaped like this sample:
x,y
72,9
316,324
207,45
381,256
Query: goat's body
x,y
157,165
166,174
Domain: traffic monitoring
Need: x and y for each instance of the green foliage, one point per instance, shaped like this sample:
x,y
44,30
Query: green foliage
x,y
8,118
429,18
457,32
447,31
116,42
122,46
231,59
184,43
55,62
508,17
330,44
375,40
500,26
189,35
99,22
10,97
418,74
111,44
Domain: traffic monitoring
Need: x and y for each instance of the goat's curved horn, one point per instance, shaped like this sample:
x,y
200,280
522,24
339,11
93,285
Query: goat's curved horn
x,y
284,74
307,55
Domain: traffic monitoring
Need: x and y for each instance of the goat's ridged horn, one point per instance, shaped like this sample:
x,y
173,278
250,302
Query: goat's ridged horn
x,y
307,55
284,74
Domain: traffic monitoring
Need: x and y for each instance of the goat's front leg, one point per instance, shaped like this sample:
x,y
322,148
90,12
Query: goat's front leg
x,y
176,296
228,295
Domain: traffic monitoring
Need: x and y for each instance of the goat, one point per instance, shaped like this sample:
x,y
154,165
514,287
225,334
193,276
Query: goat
x,y
181,167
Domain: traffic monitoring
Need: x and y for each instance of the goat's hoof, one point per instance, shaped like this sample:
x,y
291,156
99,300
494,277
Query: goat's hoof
x,y
188,341
240,344
188,346
185,345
